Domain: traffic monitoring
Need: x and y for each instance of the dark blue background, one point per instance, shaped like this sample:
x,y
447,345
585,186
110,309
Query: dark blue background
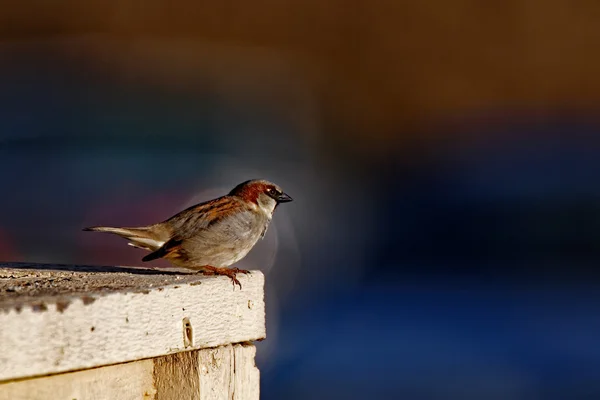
x,y
459,267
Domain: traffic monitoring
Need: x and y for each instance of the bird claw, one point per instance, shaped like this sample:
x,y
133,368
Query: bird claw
x,y
240,271
229,272
234,281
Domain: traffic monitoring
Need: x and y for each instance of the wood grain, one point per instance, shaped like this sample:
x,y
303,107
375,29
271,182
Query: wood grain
x,y
91,329
223,373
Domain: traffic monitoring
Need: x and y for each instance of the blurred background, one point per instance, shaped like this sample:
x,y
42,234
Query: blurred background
x,y
444,158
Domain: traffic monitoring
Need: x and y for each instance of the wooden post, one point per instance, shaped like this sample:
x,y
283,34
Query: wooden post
x,y
92,333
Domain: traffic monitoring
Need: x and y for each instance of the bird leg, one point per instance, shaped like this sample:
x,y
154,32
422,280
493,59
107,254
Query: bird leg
x,y
230,272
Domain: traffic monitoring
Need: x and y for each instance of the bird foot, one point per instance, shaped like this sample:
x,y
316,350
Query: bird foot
x,y
240,271
230,272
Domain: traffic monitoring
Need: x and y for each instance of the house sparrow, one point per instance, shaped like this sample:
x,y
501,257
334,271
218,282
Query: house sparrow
x,y
210,236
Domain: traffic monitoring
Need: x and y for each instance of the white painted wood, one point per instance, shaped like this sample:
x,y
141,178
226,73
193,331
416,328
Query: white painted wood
x,y
97,330
215,371
229,373
246,375
225,373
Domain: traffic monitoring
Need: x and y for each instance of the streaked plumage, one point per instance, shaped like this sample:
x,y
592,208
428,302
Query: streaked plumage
x,y
213,235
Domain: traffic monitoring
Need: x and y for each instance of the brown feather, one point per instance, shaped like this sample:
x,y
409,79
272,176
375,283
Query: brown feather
x,y
169,251
145,237
249,191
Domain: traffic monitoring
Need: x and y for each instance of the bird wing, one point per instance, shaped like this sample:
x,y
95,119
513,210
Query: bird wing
x,y
170,249
201,216
193,223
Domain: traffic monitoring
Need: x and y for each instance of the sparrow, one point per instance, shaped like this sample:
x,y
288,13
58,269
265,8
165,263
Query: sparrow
x,y
210,236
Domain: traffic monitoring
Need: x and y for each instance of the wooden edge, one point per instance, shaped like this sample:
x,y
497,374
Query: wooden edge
x,y
126,326
225,372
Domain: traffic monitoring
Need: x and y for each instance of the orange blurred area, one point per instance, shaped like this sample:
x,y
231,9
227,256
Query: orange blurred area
x,y
379,70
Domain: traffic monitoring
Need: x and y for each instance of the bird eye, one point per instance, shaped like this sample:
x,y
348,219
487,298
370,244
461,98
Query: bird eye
x,y
274,192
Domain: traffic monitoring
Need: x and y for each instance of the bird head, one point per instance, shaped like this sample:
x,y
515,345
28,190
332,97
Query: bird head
x,y
264,194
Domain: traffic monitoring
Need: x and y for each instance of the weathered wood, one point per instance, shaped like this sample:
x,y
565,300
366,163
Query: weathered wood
x,y
223,373
228,370
176,376
89,324
245,373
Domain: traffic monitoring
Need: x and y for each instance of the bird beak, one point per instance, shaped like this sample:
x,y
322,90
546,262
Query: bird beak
x,y
283,198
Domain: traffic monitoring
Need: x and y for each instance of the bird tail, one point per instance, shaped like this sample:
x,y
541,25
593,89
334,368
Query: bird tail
x,y
145,237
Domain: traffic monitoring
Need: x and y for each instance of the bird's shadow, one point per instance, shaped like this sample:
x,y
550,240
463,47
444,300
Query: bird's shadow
x,y
90,268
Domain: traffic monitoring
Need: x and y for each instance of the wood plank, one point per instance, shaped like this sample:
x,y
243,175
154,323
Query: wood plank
x,y
130,381
226,372
245,373
46,334
176,376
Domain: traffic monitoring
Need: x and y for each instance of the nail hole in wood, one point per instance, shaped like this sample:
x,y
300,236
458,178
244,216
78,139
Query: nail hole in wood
x,y
188,333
